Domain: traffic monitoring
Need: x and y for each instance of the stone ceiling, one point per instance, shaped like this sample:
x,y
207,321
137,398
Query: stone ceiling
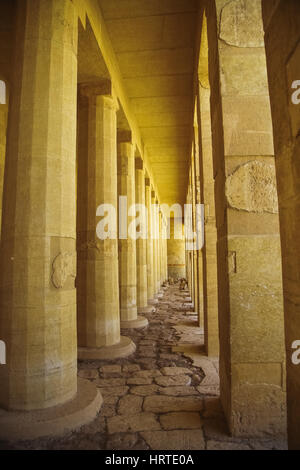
x,y
154,44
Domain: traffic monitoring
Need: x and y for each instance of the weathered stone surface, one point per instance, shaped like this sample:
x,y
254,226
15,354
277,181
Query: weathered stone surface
x,y
161,404
241,23
175,440
176,371
210,390
110,400
64,265
121,441
212,408
148,373
181,420
217,445
145,390
108,410
131,368
139,381
88,373
252,188
114,391
130,405
178,391
169,381
110,382
132,423
111,371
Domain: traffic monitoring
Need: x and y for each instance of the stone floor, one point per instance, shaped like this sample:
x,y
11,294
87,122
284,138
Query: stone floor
x,y
163,397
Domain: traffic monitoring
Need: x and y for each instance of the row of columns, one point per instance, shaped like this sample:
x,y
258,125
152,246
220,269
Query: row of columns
x,y
239,274
49,236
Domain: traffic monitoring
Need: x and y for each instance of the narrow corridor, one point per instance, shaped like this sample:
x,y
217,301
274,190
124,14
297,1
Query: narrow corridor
x,y
165,396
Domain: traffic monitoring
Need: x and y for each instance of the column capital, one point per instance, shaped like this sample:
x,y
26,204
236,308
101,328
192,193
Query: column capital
x,y
100,89
124,136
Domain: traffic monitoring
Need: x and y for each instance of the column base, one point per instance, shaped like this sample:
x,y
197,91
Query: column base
x,y
139,322
152,301
54,421
124,348
147,309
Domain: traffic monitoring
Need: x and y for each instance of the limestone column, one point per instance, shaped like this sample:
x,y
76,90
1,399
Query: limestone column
x,y
195,251
98,280
200,258
154,241
158,253
209,251
141,242
150,273
38,252
127,245
252,351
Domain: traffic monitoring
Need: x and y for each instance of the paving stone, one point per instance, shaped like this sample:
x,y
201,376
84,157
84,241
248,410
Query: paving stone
x,y
169,381
162,404
133,423
115,391
108,410
148,354
111,371
110,382
178,391
210,390
120,441
130,405
144,390
175,440
218,445
139,381
148,373
110,400
130,368
147,363
176,371
181,420
88,373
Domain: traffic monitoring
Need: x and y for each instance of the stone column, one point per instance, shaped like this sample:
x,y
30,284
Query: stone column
x,y
38,253
98,280
141,242
282,36
158,254
195,251
154,241
252,352
150,273
209,252
200,259
127,245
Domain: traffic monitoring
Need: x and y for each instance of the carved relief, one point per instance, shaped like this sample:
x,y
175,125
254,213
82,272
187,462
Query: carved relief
x,y
241,24
252,188
64,266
